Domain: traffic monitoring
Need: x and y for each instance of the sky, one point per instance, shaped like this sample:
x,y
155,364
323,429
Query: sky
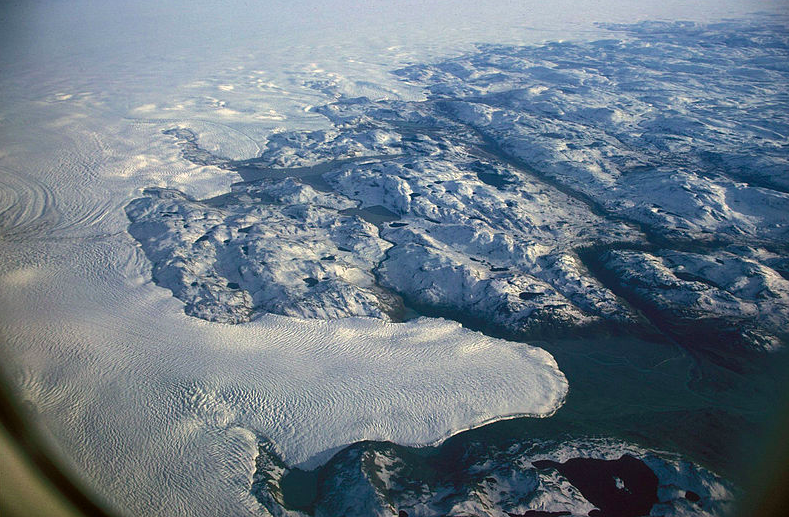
x,y
52,29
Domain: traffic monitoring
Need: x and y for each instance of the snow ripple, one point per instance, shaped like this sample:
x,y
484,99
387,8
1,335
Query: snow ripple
x,y
26,204
163,410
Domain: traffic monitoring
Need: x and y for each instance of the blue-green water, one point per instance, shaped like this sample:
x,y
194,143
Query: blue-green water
x,y
646,391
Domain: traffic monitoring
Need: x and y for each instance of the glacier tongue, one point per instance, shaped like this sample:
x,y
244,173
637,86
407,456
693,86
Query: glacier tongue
x,y
660,156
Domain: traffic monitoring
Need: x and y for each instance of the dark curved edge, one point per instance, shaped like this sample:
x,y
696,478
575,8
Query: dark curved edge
x,y
34,447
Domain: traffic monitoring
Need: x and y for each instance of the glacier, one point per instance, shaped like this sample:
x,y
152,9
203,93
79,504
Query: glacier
x,y
629,179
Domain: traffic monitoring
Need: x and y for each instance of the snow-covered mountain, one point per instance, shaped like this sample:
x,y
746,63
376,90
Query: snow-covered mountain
x,y
232,246
499,198
528,478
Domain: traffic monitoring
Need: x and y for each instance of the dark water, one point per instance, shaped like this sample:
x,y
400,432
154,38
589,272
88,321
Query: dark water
x,y
376,214
649,392
299,488
495,180
713,409
658,395
251,170
595,479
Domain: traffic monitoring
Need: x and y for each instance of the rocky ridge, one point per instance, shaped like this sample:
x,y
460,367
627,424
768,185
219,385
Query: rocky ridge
x,y
529,478
537,189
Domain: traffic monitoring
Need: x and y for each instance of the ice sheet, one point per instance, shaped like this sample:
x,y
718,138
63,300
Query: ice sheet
x,y
161,410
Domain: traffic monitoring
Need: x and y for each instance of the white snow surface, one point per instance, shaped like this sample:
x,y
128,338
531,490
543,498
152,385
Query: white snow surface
x,y
160,412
